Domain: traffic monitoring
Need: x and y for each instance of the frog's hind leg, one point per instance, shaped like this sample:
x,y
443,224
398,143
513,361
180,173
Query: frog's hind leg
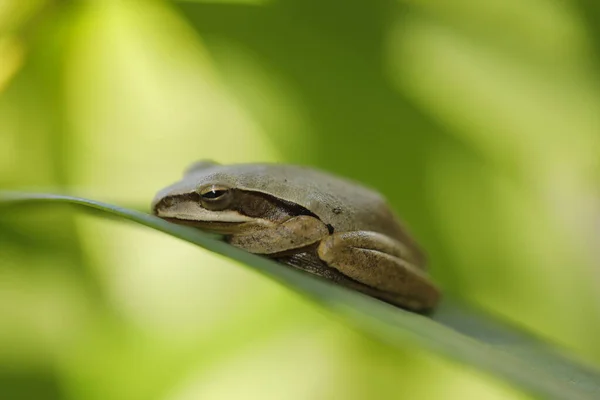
x,y
377,261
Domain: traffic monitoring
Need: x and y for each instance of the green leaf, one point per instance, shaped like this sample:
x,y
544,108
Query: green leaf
x,y
454,331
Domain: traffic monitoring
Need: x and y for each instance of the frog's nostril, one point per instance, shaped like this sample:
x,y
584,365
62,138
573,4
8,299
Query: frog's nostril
x,y
167,202
162,203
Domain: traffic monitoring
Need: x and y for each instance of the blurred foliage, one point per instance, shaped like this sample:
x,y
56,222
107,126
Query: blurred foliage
x,y
478,120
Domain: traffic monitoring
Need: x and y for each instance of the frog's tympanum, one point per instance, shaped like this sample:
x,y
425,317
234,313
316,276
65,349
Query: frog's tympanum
x,y
308,219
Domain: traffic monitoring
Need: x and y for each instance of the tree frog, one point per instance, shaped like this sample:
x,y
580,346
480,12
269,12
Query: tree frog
x,y
308,219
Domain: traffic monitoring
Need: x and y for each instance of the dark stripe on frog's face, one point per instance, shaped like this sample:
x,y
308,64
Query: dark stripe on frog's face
x,y
247,210
261,205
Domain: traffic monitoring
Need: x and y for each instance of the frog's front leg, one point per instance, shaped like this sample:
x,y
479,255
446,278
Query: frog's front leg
x,y
380,262
295,233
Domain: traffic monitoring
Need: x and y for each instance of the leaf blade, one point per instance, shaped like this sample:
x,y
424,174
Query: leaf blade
x,y
518,359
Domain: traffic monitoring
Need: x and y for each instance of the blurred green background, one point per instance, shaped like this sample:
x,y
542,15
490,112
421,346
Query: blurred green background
x,y
479,120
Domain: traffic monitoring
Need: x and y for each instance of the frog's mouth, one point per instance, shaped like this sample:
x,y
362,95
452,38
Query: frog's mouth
x,y
222,228
184,211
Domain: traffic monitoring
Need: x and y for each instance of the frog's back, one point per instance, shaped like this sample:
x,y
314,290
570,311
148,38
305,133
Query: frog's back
x,y
344,204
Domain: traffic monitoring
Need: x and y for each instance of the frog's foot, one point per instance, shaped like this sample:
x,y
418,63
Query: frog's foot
x,y
376,260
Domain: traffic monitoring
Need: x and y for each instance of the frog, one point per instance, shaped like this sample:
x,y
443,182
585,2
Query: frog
x,y
309,219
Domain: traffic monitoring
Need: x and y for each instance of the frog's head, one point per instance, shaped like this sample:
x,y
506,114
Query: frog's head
x,y
213,197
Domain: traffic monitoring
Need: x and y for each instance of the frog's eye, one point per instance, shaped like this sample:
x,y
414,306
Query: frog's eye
x,y
215,197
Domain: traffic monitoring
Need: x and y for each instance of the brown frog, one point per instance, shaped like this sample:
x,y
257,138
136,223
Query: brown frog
x,y
309,219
